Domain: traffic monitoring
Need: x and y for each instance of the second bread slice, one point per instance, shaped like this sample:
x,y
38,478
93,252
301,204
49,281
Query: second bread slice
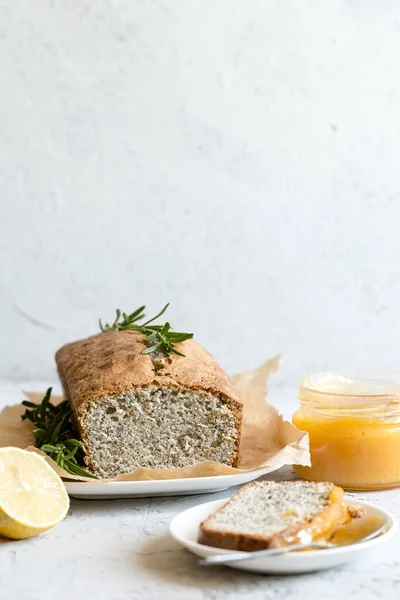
x,y
270,515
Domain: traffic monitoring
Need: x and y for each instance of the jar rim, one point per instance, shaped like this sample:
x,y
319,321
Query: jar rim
x,y
364,384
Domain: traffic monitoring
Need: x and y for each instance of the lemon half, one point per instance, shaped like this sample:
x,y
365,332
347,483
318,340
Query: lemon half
x,y
32,496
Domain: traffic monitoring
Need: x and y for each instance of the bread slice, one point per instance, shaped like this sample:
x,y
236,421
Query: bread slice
x,y
270,515
152,410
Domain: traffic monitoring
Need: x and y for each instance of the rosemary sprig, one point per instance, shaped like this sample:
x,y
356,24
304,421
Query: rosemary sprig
x,y
55,433
160,337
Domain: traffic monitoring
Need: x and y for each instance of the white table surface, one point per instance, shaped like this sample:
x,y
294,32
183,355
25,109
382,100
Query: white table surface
x,y
121,550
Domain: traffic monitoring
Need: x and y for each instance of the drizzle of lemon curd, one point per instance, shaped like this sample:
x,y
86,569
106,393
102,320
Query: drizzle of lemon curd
x,y
334,524
356,529
322,526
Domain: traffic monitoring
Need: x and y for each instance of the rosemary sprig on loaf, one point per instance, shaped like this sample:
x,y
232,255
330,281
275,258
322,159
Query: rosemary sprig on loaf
x,y
56,435
158,337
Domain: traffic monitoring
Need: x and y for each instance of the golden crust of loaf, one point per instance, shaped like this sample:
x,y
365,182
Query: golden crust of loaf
x,y
110,363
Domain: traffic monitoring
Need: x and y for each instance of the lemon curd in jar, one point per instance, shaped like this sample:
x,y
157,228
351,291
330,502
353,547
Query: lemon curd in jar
x,y
353,422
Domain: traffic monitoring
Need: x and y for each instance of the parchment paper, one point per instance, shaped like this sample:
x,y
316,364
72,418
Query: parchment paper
x,y
267,439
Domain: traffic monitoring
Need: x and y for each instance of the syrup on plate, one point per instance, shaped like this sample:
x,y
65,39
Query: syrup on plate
x,y
357,529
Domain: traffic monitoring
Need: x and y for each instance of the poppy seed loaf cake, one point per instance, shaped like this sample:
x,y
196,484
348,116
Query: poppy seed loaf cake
x,y
154,410
267,514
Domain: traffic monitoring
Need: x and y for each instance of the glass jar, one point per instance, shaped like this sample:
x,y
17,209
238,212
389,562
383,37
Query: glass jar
x,y
353,421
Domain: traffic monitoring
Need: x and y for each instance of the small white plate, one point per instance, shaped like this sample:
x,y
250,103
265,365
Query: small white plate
x,y
184,528
100,490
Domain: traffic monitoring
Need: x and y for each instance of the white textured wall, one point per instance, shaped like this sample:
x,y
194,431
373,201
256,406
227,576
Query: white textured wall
x,y
239,158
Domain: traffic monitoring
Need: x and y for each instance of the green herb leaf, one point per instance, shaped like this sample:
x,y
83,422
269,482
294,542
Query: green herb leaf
x,y
152,348
156,317
163,337
56,435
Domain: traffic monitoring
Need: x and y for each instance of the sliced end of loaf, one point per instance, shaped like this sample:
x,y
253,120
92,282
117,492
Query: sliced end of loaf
x,y
158,427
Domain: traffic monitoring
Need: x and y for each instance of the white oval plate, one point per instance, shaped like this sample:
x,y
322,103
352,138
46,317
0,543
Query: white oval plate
x,y
101,490
184,528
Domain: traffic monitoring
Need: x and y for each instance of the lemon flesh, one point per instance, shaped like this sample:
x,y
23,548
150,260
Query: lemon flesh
x,y
32,496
